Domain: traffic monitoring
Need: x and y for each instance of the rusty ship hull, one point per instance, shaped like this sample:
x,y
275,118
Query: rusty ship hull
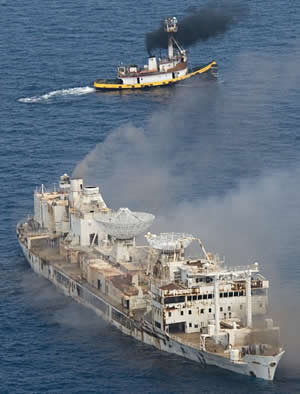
x,y
68,280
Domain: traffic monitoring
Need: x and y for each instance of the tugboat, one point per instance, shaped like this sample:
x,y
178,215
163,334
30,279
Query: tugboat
x,y
158,72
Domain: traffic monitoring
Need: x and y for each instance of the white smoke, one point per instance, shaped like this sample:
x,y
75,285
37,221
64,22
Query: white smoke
x,y
212,164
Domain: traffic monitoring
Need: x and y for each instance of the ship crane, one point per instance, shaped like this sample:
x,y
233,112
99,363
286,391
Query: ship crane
x,y
204,250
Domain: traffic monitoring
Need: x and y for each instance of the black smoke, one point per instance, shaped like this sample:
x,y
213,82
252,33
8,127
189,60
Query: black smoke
x,y
208,21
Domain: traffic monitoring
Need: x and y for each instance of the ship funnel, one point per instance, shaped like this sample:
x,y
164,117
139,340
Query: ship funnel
x,y
76,189
152,63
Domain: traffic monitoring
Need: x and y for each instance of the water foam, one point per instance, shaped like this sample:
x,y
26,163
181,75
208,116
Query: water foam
x,y
56,93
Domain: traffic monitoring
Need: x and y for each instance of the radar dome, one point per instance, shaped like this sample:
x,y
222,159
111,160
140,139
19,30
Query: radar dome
x,y
168,242
124,224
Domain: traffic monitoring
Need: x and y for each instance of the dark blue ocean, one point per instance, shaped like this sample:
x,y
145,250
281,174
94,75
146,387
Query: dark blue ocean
x,y
220,159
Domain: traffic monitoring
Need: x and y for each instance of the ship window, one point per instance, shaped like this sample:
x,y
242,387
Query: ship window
x,y
205,296
189,298
221,295
229,315
200,297
79,292
261,292
194,297
157,324
91,238
196,325
174,300
230,294
221,309
229,308
241,293
190,324
236,293
190,312
210,296
181,313
202,310
170,314
209,310
225,295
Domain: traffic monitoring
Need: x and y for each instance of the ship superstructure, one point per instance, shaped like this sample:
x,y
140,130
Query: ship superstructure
x,y
170,69
195,307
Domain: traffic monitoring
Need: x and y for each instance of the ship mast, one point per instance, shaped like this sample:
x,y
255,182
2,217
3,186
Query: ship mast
x,y
171,26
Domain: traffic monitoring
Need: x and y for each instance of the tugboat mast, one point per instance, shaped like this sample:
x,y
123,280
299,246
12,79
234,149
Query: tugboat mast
x,y
171,26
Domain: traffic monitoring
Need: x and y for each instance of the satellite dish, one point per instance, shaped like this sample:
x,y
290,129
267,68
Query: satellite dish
x,y
169,242
124,224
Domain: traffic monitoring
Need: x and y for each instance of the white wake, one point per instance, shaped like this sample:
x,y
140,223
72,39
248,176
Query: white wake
x,y
56,93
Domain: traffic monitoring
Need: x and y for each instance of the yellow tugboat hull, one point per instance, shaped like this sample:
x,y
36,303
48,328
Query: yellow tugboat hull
x,y
111,86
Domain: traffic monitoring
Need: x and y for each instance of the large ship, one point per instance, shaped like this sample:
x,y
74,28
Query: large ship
x,y
195,307
159,71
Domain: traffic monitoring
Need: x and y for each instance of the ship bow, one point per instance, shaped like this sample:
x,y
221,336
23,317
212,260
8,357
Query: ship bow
x,y
263,367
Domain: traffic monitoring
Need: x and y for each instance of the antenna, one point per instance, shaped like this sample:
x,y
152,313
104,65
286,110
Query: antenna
x,y
124,224
169,242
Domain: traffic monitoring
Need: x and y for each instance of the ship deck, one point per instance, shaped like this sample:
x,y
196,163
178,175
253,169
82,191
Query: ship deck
x,y
193,340
52,257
